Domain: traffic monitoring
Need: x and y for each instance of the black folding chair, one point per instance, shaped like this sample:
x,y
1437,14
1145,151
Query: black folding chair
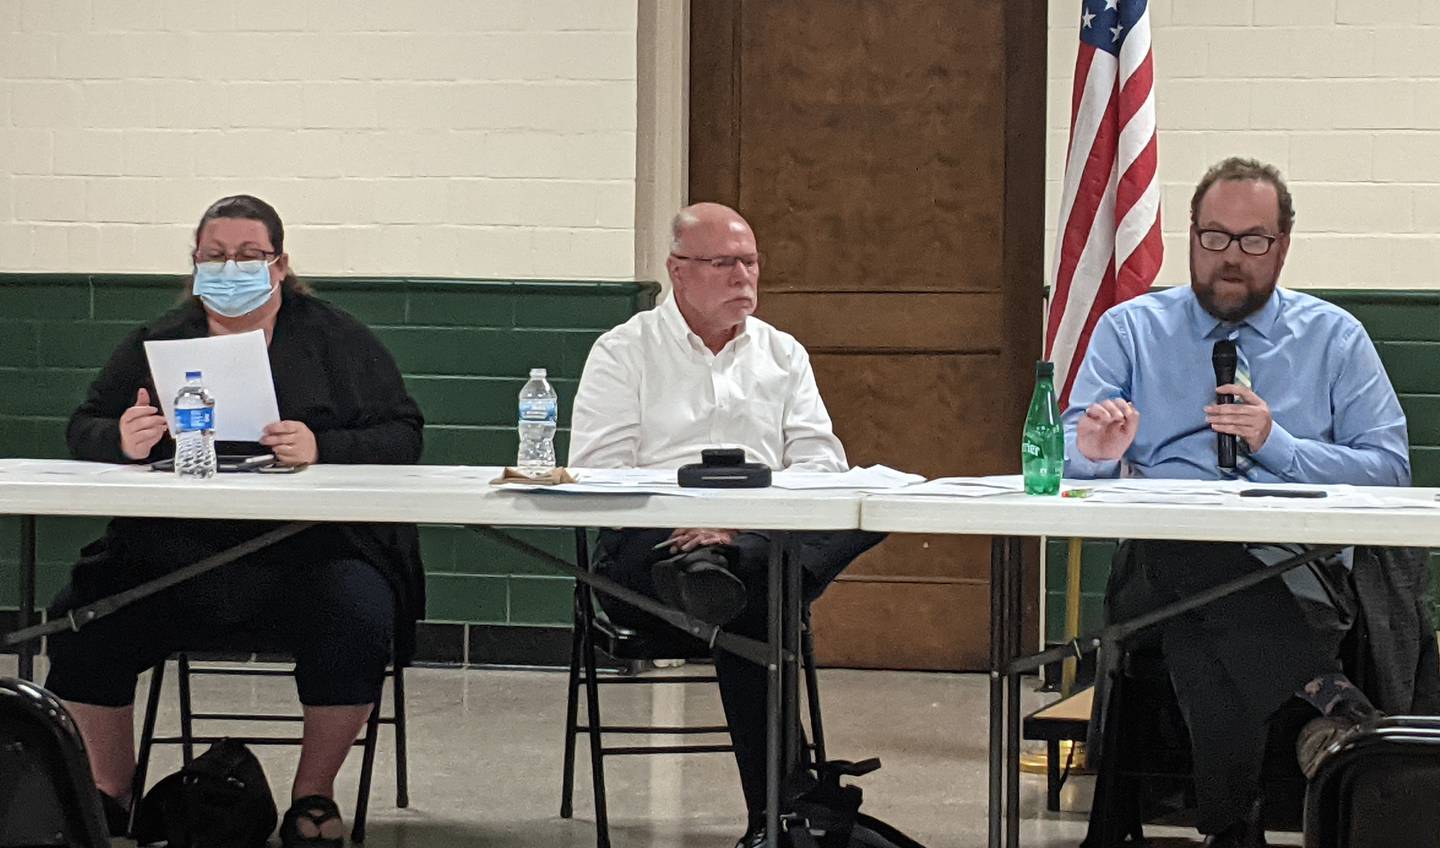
x,y
187,739
594,632
47,793
1377,788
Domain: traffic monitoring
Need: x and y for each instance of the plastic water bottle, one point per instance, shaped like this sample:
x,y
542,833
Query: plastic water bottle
x,y
195,430
1042,449
537,426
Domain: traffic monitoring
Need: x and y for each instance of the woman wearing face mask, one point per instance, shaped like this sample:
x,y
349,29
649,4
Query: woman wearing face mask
x,y
336,596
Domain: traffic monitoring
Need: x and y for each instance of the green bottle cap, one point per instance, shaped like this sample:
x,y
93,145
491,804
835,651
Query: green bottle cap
x,y
1044,369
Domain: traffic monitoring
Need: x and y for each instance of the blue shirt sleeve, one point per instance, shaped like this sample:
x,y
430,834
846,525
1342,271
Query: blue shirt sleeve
x,y
1104,373
1370,444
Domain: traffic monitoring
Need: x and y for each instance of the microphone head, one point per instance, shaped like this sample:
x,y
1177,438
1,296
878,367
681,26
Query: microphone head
x,y
1224,358
1224,351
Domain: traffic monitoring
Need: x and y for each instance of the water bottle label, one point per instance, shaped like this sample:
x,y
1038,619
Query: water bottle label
x,y
1030,448
537,411
190,420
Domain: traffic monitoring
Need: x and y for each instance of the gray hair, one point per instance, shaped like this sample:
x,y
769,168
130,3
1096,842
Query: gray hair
x,y
683,220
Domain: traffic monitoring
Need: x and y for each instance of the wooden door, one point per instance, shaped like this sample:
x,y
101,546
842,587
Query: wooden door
x,y
890,157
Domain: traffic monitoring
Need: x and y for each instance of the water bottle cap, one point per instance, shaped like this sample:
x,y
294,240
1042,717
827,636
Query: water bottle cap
x,y
1044,369
192,375
537,372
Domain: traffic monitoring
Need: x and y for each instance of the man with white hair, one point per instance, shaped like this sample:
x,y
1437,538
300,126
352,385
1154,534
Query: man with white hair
x,y
700,371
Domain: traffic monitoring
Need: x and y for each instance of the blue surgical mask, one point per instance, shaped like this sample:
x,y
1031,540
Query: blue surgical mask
x,y
233,288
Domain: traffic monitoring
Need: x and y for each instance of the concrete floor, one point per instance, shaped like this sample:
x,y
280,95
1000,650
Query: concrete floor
x,y
485,761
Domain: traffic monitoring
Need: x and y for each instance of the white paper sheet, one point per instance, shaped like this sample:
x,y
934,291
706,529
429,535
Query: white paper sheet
x,y
1158,496
875,477
236,371
625,477
603,489
966,487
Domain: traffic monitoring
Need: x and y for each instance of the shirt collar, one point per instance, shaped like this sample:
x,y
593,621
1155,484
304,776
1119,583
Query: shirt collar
x,y
1262,322
680,330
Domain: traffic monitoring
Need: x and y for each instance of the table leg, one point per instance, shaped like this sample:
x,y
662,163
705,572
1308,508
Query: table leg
x,y
1014,592
789,730
773,710
997,672
26,616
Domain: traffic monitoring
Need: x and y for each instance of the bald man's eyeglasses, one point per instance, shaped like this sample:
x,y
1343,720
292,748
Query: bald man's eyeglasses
x,y
749,263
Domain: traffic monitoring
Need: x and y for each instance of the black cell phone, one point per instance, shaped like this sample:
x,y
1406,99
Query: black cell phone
x,y
1282,493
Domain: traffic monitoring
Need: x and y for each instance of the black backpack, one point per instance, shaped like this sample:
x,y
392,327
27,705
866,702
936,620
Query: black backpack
x,y
220,800
828,816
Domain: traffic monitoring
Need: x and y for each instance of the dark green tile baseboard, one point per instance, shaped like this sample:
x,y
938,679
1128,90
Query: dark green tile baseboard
x,y
465,347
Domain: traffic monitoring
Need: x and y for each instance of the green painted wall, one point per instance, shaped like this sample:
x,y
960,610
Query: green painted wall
x,y
1406,329
465,347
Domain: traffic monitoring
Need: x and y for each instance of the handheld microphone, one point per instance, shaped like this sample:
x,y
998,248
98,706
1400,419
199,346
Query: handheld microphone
x,y
1224,358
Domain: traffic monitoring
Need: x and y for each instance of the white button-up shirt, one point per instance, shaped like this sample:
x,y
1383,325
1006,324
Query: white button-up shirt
x,y
653,396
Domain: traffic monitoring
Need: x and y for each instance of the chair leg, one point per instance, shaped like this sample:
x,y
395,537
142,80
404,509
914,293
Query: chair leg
x,y
1052,775
812,691
402,750
592,712
572,708
187,728
1110,820
147,742
367,771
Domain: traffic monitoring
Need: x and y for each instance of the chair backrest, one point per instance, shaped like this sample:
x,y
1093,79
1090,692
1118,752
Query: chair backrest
x,y
1378,788
47,794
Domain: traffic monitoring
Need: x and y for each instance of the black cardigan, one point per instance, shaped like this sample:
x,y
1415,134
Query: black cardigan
x,y
331,373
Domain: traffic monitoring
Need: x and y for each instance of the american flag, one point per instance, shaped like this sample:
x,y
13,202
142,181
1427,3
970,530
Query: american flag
x,y
1108,245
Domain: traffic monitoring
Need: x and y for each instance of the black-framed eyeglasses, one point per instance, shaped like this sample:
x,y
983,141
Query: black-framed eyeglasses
x,y
1254,244
749,263
244,254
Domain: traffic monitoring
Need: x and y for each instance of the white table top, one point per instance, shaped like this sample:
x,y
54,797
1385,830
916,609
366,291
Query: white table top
x,y
1238,519
463,495
405,493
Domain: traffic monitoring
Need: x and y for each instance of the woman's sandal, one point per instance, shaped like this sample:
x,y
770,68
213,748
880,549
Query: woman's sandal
x,y
318,811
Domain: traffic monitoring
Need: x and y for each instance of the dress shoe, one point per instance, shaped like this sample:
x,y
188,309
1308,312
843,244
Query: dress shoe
x,y
701,583
1321,734
754,837
117,815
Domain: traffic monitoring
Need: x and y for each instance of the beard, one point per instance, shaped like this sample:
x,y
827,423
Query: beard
x,y
1231,309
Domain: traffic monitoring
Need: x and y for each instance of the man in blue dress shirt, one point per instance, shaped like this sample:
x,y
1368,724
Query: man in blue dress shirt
x,y
1314,406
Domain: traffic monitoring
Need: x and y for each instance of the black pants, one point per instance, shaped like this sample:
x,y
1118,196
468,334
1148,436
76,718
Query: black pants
x,y
1235,662
626,557
336,617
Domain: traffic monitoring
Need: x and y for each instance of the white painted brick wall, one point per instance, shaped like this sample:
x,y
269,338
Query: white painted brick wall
x,y
490,138
1342,95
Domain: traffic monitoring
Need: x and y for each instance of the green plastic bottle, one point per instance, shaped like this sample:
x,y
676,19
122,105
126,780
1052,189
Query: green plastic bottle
x,y
1042,450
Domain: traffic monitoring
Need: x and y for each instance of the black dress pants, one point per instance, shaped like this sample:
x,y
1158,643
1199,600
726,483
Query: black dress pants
x,y
627,555
1234,663
335,616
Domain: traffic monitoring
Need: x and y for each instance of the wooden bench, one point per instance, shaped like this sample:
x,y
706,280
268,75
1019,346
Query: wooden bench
x,y
1065,720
